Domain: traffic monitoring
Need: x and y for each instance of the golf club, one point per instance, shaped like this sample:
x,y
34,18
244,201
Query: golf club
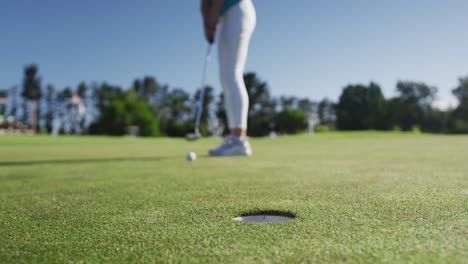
x,y
199,106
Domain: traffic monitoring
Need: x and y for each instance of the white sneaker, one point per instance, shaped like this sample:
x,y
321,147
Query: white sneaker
x,y
232,146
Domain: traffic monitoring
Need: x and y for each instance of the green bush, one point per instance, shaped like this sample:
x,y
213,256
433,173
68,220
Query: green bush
x,y
291,121
461,126
415,129
321,128
179,129
123,111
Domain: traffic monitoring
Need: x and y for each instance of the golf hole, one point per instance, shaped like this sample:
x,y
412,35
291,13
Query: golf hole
x,y
266,217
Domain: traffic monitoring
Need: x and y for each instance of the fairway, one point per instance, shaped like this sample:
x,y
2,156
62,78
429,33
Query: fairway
x,y
362,197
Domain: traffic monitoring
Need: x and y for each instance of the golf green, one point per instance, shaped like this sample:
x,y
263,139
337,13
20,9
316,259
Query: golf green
x,y
361,197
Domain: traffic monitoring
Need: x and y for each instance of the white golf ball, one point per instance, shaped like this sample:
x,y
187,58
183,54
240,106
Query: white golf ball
x,y
191,156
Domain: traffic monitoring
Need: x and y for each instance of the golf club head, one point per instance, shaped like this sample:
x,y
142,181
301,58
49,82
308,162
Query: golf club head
x,y
193,136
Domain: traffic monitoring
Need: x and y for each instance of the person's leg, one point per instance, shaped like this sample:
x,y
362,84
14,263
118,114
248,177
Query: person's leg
x,y
233,43
234,38
224,61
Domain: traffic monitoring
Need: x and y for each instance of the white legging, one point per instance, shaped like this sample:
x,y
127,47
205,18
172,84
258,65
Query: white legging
x,y
236,28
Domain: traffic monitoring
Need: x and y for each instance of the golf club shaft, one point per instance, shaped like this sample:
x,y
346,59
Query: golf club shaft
x,y
199,106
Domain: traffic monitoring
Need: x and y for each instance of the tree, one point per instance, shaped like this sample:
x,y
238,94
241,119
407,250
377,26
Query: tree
x,y
437,121
3,98
82,92
360,107
100,97
307,105
82,89
103,95
207,107
416,93
413,105
156,95
63,108
51,107
377,108
178,102
461,93
148,89
460,114
178,118
31,92
327,112
288,102
13,102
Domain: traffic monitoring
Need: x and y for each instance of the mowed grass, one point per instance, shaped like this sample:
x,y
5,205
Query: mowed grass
x,y
359,197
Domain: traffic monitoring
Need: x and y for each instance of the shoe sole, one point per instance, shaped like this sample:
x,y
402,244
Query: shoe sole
x,y
233,153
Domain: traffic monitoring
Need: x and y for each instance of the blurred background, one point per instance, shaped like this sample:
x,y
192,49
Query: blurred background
x,y
134,67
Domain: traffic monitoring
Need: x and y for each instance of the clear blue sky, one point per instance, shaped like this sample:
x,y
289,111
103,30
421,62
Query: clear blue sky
x,y
306,48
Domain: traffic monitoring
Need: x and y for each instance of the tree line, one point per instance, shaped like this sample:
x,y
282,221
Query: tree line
x,y
156,109
363,107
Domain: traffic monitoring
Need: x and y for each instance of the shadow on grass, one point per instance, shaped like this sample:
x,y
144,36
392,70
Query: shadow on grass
x,y
268,212
81,161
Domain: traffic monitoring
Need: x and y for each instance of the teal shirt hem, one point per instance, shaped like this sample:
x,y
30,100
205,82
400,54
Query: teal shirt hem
x,y
227,4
